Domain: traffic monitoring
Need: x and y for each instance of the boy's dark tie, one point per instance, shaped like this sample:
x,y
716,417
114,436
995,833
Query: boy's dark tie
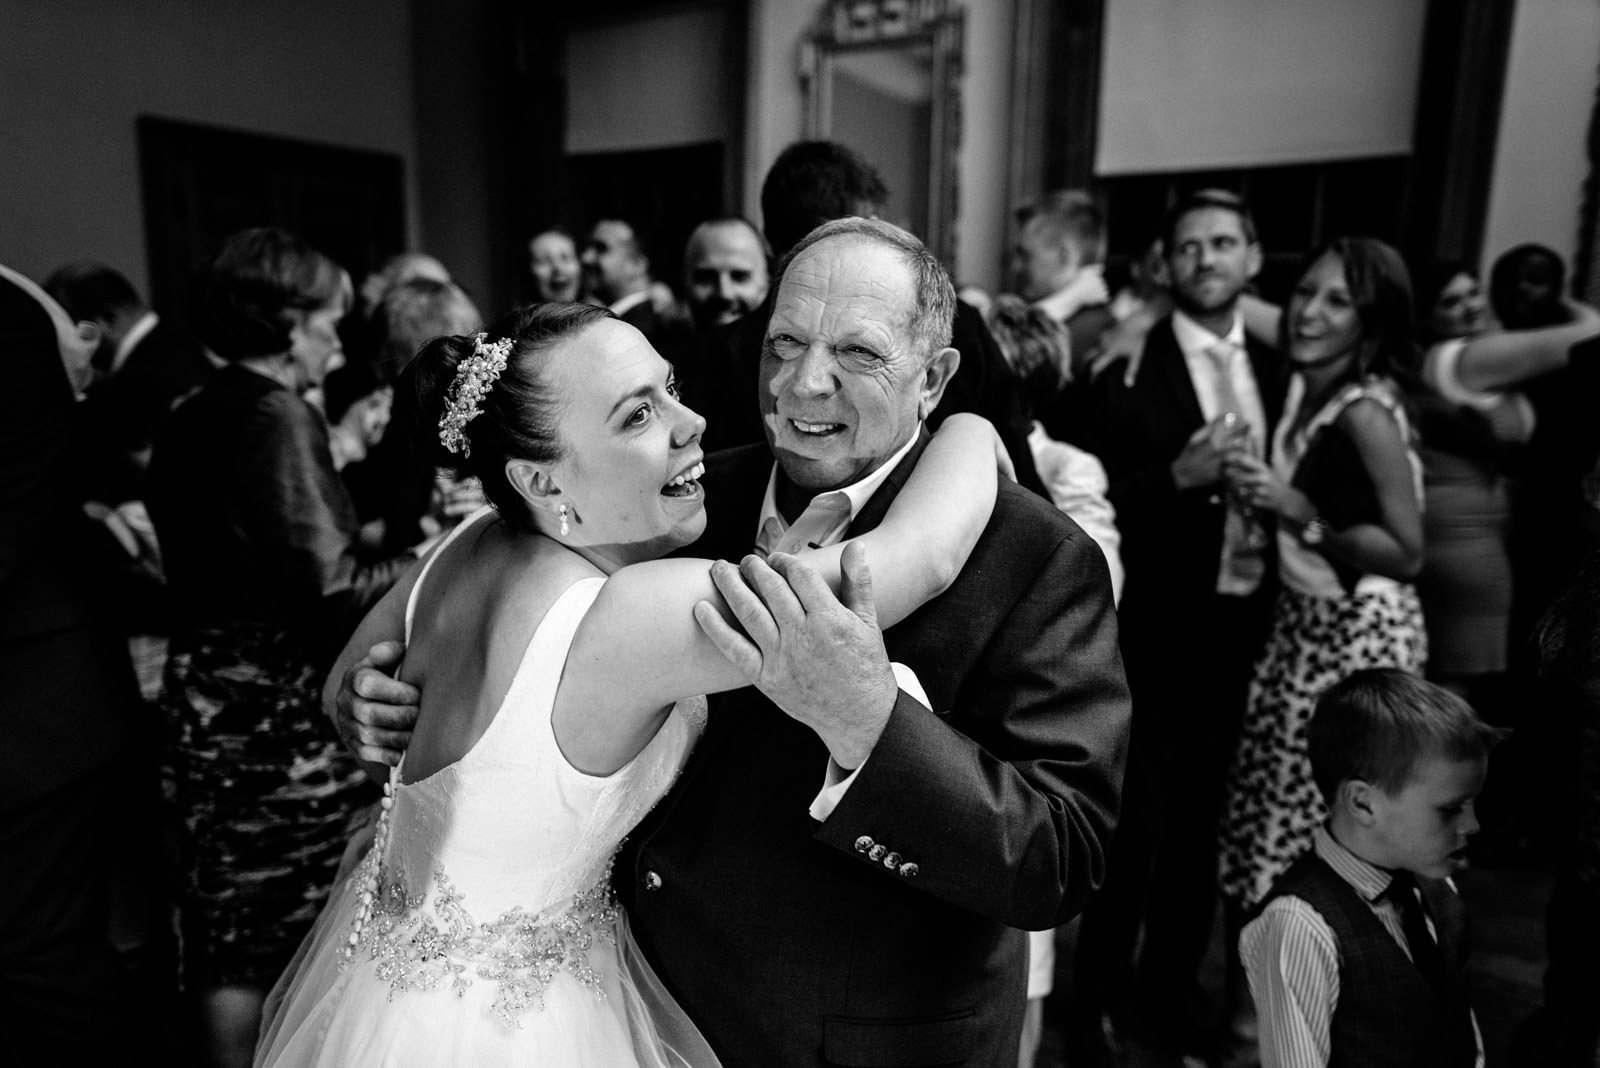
x,y
1413,921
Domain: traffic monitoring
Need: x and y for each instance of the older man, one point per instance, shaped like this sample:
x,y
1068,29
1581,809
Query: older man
x,y
842,871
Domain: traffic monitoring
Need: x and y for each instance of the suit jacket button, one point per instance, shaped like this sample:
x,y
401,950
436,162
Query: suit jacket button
x,y
863,844
892,861
652,881
877,852
908,869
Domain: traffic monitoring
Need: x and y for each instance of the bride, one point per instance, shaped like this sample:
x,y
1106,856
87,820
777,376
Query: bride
x,y
562,670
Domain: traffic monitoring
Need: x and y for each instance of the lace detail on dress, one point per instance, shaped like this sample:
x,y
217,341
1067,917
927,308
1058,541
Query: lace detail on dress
x,y
422,941
422,946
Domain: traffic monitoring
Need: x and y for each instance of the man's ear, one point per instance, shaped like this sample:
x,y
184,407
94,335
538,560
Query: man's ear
x,y
534,484
1252,260
936,375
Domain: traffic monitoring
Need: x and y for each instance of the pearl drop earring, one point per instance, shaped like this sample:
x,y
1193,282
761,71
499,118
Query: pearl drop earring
x,y
562,512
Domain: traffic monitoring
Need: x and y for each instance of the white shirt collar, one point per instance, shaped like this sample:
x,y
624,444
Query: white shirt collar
x,y
857,493
630,302
1194,339
1073,297
136,333
1365,877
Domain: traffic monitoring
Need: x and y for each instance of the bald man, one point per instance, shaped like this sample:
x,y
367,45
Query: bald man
x,y
724,271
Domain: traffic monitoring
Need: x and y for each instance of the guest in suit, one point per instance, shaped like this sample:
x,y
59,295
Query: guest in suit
x,y
810,183
616,273
841,873
143,367
725,275
1194,614
69,699
1058,263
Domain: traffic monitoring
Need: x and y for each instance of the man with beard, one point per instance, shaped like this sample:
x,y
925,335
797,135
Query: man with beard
x,y
1194,614
724,271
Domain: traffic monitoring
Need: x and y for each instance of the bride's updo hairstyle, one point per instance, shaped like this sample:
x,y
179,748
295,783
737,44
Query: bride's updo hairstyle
x,y
518,415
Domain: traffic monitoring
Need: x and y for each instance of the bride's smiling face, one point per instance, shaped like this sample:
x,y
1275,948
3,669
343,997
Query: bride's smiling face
x,y
631,456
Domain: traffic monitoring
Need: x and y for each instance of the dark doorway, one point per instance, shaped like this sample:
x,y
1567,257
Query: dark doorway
x,y
663,193
202,183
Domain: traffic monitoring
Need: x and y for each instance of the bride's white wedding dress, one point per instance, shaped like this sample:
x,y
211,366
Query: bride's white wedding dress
x,y
480,928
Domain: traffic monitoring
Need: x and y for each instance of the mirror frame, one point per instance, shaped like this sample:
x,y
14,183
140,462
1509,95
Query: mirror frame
x,y
858,25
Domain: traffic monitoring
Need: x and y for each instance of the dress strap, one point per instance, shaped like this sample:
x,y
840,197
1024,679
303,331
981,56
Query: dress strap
x,y
438,551
1380,391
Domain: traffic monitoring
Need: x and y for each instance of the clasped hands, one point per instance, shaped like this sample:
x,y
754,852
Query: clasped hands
x,y
818,657
1253,484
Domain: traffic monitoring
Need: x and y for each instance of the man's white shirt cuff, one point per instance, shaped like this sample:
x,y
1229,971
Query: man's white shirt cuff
x,y
837,781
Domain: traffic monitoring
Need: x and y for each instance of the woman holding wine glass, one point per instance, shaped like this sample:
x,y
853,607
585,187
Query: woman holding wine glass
x,y
1344,486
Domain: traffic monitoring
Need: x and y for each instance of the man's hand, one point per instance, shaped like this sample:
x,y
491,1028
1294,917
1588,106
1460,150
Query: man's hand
x,y
820,658
1200,462
374,713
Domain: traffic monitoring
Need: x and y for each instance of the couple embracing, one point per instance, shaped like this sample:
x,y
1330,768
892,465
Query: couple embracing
x,y
832,867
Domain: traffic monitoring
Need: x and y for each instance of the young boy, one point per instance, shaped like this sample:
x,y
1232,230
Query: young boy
x,y
1356,956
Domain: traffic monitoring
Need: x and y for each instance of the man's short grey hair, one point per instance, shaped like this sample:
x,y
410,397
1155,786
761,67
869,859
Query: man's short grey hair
x,y
933,317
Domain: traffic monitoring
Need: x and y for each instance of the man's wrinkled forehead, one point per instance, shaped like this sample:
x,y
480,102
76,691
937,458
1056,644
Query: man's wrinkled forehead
x,y
850,266
839,290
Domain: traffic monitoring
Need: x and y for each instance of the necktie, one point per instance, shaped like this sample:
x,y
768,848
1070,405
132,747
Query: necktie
x,y
1425,953
1242,536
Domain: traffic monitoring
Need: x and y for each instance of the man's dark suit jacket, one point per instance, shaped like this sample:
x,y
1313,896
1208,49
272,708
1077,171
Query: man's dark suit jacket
x,y
661,331
122,413
68,686
890,934
720,376
1171,538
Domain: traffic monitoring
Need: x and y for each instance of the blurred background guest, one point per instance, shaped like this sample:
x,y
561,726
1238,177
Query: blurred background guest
x,y
1469,451
1566,1029
553,262
69,699
266,577
394,489
725,271
1346,489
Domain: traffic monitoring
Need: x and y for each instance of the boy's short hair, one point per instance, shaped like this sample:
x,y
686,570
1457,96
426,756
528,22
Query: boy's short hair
x,y
1376,724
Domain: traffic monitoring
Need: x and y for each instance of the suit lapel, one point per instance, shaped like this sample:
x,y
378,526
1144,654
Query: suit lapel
x,y
877,506
1165,360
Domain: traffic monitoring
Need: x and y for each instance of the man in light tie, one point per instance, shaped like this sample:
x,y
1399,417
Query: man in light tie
x,y
1194,614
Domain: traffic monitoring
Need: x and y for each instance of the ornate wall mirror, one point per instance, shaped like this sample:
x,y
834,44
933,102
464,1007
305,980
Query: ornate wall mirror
x,y
884,78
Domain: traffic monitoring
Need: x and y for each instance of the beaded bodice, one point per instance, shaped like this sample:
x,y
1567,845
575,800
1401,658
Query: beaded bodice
x,y
495,869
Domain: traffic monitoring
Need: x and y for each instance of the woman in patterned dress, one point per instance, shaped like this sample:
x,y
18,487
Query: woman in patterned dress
x,y
259,539
1345,486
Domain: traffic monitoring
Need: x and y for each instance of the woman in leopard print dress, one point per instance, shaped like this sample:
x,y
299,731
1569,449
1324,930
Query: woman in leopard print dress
x,y
1345,486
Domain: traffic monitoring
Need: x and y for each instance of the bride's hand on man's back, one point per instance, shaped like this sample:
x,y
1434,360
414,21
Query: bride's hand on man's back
x,y
374,712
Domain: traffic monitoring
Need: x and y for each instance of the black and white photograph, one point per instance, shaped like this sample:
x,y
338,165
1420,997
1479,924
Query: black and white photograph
x,y
800,533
